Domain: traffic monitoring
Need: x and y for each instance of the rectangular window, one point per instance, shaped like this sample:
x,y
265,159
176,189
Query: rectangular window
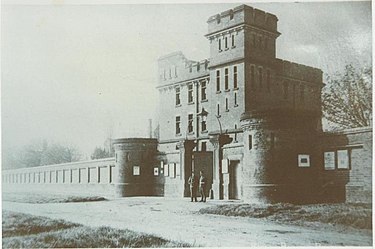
x,y
218,110
260,72
203,90
175,71
190,123
235,134
342,159
218,81
250,142
233,41
219,44
235,100
235,86
204,125
226,81
226,105
252,76
226,42
268,80
156,171
198,67
178,125
170,73
178,99
304,161
204,146
190,93
329,160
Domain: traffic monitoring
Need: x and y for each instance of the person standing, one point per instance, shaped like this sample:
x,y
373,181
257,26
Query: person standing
x,y
193,187
202,187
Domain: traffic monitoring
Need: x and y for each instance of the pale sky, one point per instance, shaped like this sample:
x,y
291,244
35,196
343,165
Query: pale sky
x,y
73,73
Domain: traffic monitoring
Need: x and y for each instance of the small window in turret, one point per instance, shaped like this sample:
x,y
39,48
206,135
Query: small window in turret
x,y
268,81
260,74
226,42
233,45
219,44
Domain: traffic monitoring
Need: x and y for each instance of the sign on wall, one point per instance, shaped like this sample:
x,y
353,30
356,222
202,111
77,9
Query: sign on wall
x,y
342,159
329,160
178,169
303,160
166,170
172,172
224,166
136,170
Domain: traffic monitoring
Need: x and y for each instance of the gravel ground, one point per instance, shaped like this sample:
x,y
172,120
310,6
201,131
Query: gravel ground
x,y
179,220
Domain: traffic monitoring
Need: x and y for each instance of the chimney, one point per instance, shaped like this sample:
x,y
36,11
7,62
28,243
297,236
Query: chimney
x,y
150,127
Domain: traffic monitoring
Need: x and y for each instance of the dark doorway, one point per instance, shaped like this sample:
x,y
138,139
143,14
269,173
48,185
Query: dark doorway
x,y
234,182
202,161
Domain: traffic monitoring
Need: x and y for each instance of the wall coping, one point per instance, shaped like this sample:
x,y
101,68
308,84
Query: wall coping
x,y
348,131
109,159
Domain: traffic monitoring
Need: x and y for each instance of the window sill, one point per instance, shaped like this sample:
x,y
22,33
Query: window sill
x,y
226,49
235,105
178,135
205,131
218,116
227,90
204,100
227,110
236,88
191,133
220,50
217,92
233,46
191,103
179,105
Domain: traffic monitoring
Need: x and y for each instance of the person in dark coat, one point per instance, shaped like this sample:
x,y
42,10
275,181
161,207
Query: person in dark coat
x,y
202,187
193,182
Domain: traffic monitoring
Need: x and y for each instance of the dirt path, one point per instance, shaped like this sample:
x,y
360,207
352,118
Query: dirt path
x,y
178,220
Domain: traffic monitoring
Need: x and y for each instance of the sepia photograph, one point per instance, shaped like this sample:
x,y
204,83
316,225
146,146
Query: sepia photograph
x,y
186,124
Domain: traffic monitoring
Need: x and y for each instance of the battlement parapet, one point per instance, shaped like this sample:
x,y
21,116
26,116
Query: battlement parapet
x,y
298,71
175,67
242,14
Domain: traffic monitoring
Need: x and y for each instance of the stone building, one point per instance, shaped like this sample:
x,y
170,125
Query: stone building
x,y
250,121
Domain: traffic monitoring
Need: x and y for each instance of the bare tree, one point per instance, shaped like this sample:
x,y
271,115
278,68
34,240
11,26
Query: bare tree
x,y
40,153
100,153
56,153
347,98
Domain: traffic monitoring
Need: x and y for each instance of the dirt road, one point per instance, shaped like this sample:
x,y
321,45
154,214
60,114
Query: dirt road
x,y
179,220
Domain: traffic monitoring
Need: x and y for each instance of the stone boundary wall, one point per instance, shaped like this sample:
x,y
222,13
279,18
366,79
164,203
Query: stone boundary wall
x,y
358,178
89,178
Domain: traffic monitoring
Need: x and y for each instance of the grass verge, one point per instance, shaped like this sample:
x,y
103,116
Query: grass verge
x,y
48,198
27,231
353,215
